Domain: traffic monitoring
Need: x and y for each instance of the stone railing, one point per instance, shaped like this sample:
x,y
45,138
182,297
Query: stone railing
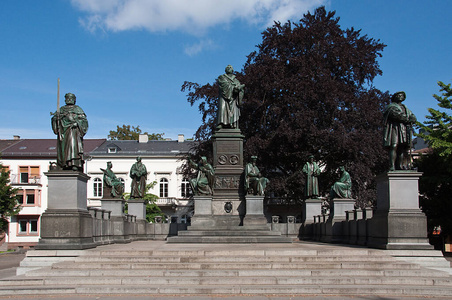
x,y
353,229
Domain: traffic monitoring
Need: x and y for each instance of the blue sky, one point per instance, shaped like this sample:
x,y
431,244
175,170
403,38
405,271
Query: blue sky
x,y
126,59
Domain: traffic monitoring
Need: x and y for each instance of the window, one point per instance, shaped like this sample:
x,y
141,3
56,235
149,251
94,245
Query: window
x,y
97,187
112,150
29,197
23,174
185,188
20,199
28,225
163,188
33,226
5,168
29,174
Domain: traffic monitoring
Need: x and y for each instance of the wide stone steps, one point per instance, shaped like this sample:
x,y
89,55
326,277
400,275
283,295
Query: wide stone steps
x,y
247,234
337,270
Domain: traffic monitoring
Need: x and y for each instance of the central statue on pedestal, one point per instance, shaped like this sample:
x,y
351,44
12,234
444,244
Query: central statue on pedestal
x,y
229,100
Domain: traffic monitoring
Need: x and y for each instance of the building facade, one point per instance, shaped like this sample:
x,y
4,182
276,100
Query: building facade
x,y
28,160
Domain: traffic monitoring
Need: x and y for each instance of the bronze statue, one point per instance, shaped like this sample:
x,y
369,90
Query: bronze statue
x,y
254,181
112,182
229,100
204,181
139,174
311,170
398,122
70,125
343,187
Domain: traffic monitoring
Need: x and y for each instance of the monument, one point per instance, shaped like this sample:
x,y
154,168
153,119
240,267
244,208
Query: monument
x,y
255,185
312,205
397,222
137,203
112,187
67,224
341,201
223,212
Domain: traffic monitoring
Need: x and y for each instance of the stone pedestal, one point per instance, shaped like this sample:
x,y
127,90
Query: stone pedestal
x,y
254,210
311,208
137,207
228,202
66,224
202,215
117,219
334,232
397,222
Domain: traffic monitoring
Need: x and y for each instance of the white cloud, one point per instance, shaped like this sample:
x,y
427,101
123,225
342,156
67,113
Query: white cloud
x,y
193,16
199,47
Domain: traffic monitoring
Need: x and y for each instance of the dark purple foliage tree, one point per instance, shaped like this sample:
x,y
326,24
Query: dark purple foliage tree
x,y
308,91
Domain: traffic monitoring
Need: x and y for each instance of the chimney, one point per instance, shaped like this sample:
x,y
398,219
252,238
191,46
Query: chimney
x,y
143,138
16,137
180,138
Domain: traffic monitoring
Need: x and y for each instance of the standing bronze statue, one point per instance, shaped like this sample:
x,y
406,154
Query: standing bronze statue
x,y
254,181
343,187
311,170
139,174
203,183
112,182
70,125
398,123
229,100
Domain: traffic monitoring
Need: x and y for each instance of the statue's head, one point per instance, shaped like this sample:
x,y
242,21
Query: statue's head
x,y
253,159
203,160
69,98
342,168
311,158
229,69
139,159
109,164
398,97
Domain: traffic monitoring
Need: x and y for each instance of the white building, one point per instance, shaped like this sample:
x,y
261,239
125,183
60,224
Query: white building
x,y
163,161
28,160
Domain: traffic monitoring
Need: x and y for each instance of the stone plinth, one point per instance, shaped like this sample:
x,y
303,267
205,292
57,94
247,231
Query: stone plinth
x,y
203,211
334,231
228,201
397,222
254,210
311,208
117,230
137,208
66,224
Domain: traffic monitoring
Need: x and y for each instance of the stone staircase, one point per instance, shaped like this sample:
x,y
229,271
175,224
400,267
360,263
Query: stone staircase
x,y
229,235
150,268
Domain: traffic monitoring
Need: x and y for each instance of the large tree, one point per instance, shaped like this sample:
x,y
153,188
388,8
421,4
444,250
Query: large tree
x,y
127,133
9,206
436,183
308,91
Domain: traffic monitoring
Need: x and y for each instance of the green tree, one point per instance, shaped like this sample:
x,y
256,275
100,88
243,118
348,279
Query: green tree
x,y
9,205
308,91
435,185
437,130
127,133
